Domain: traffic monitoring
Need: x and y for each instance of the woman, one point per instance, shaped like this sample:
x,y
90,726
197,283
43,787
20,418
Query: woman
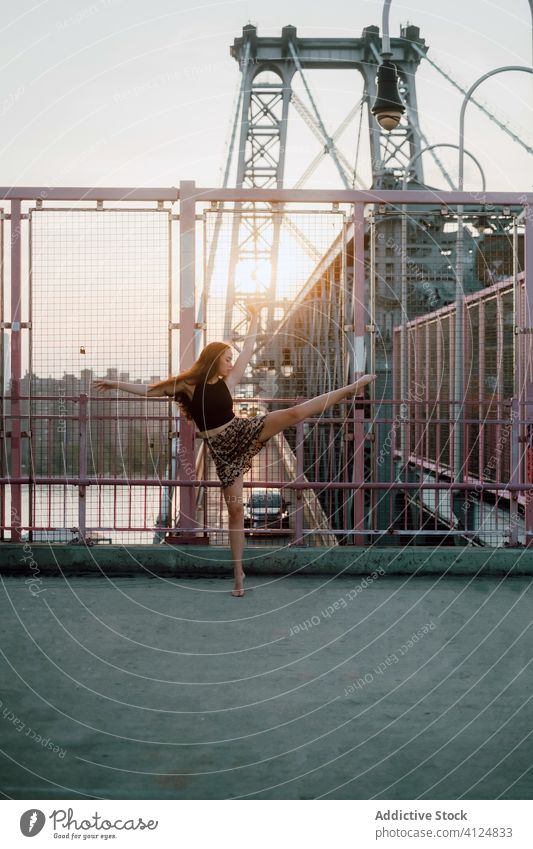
x,y
204,393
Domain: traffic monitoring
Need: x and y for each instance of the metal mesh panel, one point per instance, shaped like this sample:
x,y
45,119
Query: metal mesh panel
x,y
99,308
300,350
485,424
301,322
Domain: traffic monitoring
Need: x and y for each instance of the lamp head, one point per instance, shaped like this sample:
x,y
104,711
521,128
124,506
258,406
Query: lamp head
x,y
388,107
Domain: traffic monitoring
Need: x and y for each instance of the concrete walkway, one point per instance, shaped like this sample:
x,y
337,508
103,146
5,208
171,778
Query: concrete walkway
x,y
351,687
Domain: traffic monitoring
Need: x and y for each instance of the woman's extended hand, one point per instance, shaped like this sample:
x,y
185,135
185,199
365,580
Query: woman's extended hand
x,y
104,385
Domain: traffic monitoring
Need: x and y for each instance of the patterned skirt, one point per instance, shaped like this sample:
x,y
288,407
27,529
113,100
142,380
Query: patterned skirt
x,y
234,448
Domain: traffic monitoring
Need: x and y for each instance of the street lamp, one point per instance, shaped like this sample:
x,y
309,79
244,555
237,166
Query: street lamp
x,y
388,108
467,97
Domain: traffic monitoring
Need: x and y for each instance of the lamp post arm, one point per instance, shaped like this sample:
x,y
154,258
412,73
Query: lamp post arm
x,y
531,10
385,39
467,97
444,144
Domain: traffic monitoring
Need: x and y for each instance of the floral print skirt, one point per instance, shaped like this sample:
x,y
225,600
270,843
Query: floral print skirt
x,y
234,448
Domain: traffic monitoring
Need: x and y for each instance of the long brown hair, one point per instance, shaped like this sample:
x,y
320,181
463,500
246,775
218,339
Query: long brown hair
x,y
202,370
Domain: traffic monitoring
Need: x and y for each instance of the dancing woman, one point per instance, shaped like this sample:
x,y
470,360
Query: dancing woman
x,y
204,393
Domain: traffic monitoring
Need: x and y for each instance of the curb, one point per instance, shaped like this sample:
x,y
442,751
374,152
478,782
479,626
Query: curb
x,y
59,559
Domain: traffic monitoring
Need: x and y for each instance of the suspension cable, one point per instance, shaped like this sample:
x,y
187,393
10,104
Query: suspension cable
x,y
479,105
363,101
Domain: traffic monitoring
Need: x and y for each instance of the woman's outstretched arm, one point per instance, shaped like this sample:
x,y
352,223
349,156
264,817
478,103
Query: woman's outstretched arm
x,y
245,356
143,389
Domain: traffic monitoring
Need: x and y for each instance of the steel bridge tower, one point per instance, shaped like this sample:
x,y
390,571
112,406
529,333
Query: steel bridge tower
x,y
268,65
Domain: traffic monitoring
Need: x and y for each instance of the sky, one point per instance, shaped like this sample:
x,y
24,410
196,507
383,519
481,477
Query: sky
x,y
130,93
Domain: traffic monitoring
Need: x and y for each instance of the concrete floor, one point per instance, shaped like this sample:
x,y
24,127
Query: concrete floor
x,y
308,687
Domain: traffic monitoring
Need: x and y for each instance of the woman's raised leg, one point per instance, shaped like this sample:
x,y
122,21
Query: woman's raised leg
x,y
234,502
279,420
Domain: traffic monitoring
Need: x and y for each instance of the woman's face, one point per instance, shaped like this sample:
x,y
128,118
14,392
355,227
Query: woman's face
x,y
225,362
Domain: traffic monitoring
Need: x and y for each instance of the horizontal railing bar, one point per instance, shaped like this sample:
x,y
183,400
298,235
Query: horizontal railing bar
x,y
75,193
273,531
325,420
385,196
157,529
68,418
201,194
357,399
397,532
321,485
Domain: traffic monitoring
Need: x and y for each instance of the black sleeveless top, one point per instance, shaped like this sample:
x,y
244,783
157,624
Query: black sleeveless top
x,y
211,405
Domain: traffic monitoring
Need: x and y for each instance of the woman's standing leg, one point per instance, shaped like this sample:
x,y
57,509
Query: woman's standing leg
x,y
234,502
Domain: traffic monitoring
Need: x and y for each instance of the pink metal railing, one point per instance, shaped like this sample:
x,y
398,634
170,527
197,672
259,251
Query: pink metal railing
x,y
366,506
421,499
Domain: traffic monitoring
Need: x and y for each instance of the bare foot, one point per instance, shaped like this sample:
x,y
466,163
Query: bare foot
x,y
355,388
238,589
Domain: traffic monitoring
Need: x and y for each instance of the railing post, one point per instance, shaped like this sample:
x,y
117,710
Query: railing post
x,y
187,353
527,348
358,321
515,476
82,465
299,512
16,365
527,430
